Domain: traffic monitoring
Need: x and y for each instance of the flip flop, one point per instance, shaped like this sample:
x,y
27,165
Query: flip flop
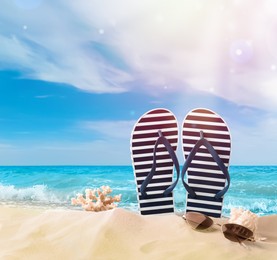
x,y
207,149
153,144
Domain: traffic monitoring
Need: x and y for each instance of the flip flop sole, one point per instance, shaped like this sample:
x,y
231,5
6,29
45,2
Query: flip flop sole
x,y
204,175
144,136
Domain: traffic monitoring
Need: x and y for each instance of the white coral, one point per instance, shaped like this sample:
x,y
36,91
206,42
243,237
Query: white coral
x,y
96,199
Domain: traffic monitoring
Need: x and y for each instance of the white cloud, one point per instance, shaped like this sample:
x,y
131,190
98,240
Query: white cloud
x,y
212,47
99,152
110,129
52,45
254,143
109,145
43,96
5,146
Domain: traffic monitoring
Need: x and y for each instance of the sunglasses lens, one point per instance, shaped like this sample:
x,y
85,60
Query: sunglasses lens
x,y
236,233
198,220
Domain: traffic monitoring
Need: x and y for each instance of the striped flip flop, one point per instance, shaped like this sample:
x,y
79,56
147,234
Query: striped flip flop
x,y
153,144
207,148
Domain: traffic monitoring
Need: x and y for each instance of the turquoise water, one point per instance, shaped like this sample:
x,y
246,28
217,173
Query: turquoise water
x,y
252,187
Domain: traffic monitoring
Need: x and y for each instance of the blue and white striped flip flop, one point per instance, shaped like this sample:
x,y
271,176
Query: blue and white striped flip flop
x,y
153,144
207,148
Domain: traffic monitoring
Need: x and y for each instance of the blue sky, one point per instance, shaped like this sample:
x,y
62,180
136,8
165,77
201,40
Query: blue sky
x,y
76,75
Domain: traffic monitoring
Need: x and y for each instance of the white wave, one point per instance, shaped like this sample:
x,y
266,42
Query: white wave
x,y
261,206
39,193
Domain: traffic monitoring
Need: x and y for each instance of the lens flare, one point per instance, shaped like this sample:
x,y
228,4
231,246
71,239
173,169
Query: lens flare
x,y
271,37
241,51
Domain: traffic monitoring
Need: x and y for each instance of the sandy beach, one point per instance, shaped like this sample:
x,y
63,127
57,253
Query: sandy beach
x,y
120,234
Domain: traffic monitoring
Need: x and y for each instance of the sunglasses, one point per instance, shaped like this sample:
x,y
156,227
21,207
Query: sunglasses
x,y
233,232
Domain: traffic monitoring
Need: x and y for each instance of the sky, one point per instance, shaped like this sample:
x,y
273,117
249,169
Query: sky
x,y
75,76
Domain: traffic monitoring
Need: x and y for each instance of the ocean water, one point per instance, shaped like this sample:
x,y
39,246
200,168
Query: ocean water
x,y
252,187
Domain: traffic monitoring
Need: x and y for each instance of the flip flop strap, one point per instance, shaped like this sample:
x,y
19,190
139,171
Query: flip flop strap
x,y
161,140
207,144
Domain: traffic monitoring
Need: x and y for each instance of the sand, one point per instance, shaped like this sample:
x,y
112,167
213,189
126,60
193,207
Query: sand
x,y
120,234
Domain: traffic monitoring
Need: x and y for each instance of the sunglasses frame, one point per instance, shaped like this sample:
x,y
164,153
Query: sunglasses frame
x,y
233,232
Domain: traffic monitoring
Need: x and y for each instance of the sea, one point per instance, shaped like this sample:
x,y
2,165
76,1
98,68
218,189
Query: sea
x,y
51,187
